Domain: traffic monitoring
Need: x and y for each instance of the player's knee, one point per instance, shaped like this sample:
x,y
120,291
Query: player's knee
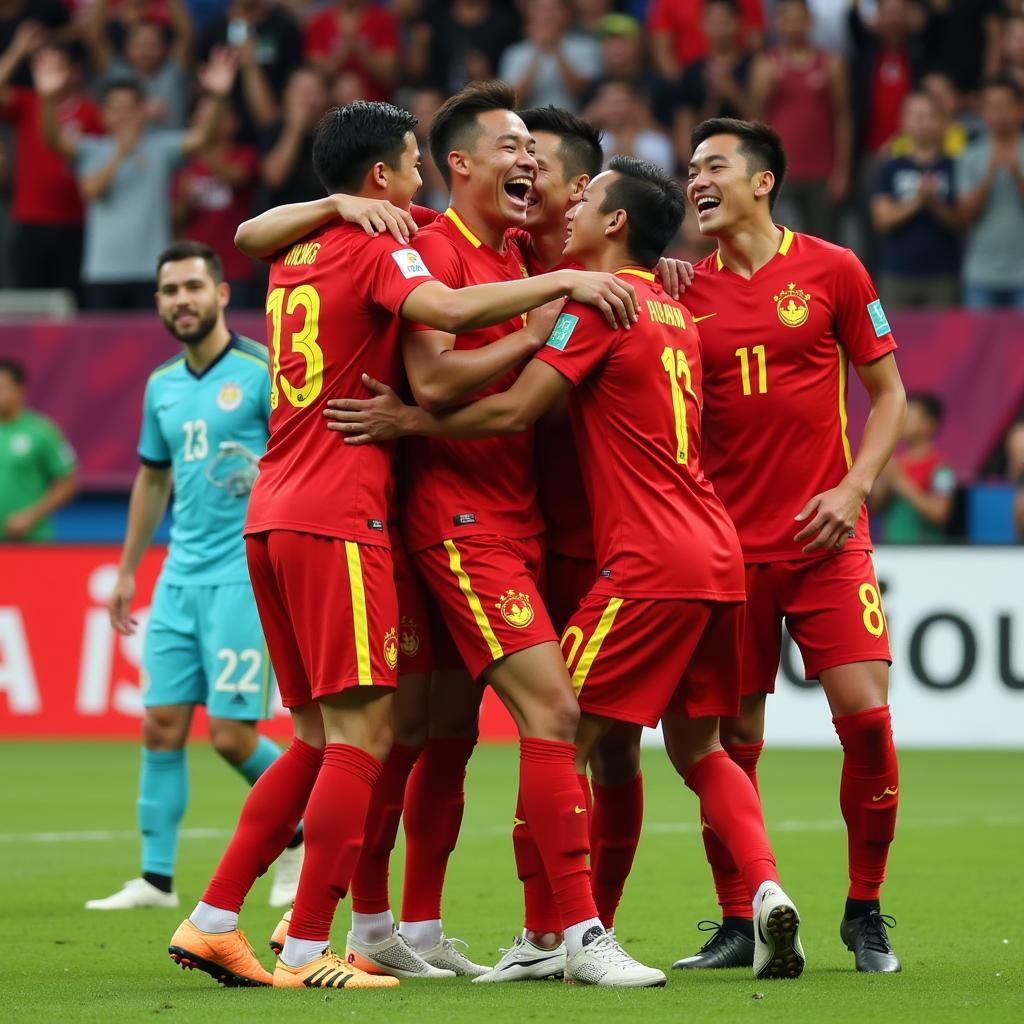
x,y
616,762
234,742
378,740
163,730
559,718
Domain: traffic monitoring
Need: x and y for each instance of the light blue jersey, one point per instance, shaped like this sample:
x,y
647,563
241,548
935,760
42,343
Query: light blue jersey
x,y
186,419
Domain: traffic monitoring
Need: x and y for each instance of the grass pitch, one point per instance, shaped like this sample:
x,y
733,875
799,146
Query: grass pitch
x,y
67,835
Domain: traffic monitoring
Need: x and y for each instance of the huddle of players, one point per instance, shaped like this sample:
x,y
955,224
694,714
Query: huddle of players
x,y
656,629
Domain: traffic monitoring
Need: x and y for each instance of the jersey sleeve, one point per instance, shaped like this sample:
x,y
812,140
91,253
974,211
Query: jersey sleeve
x,y
394,271
861,326
423,215
578,343
440,256
58,457
153,449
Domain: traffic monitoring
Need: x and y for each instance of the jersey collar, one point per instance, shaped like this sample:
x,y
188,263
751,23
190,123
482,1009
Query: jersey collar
x,y
646,275
463,229
227,348
784,245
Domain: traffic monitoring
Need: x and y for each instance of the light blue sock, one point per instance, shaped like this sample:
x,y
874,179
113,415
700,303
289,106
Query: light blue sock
x,y
265,754
163,797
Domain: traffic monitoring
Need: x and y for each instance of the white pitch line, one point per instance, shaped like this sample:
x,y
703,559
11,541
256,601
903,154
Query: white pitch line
x,y
479,832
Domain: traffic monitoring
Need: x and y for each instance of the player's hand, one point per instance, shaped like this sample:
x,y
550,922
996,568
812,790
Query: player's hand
x,y
675,276
369,420
614,297
834,515
376,217
17,525
540,322
119,606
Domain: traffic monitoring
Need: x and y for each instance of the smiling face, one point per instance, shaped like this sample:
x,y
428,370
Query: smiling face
x,y
404,181
553,191
190,302
495,174
588,227
721,188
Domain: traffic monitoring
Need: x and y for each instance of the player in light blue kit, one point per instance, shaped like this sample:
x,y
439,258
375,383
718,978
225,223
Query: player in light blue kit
x,y
204,426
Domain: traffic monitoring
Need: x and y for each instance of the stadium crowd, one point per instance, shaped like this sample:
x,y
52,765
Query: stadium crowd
x,y
902,120
901,117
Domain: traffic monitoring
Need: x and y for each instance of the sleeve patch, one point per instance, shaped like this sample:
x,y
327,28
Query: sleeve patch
x,y
562,332
410,263
878,318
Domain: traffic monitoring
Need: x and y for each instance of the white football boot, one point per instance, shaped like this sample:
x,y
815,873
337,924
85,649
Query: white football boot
x,y
287,869
524,961
135,894
446,957
392,956
778,952
603,962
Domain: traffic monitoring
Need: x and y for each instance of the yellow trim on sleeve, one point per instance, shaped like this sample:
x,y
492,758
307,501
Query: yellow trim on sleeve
x,y
593,648
262,363
461,225
466,586
842,405
645,274
362,633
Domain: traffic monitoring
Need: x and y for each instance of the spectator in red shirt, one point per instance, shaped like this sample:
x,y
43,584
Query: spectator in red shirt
x,y
47,211
802,92
888,62
213,193
677,34
352,35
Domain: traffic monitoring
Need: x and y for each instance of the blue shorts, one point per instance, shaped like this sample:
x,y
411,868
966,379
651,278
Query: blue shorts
x,y
204,645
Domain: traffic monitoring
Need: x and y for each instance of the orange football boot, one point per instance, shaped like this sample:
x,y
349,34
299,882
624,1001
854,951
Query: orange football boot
x,y
276,942
226,956
329,971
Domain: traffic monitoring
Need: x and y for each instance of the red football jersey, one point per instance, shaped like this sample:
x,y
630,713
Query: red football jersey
x,y
776,354
463,488
659,528
332,315
563,498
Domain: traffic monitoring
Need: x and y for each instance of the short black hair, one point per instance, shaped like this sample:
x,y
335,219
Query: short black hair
x,y
580,149
931,403
128,83
14,369
187,250
348,141
1002,82
654,202
759,144
455,125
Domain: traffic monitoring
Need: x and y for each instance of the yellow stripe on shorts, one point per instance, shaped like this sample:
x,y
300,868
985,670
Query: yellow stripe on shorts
x,y
355,582
593,648
455,563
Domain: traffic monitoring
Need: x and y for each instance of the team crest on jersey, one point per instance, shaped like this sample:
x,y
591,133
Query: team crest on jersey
x,y
793,305
230,397
391,647
515,608
409,638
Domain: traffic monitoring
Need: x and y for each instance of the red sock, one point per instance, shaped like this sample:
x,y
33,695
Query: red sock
x,y
370,878
729,885
614,836
868,796
540,913
732,808
267,824
556,809
434,800
333,827
588,796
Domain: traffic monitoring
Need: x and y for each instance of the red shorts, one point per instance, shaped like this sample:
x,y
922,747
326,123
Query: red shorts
x,y
568,581
329,612
832,609
488,589
632,660
415,646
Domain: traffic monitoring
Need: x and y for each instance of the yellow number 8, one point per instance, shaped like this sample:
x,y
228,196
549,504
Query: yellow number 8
x,y
874,617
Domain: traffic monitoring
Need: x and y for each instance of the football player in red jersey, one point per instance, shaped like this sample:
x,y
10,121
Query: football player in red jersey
x,y
316,538
658,635
782,317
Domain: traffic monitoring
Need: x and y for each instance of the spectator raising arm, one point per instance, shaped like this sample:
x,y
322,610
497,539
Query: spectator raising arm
x,y
842,128
260,101
217,78
28,38
50,76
